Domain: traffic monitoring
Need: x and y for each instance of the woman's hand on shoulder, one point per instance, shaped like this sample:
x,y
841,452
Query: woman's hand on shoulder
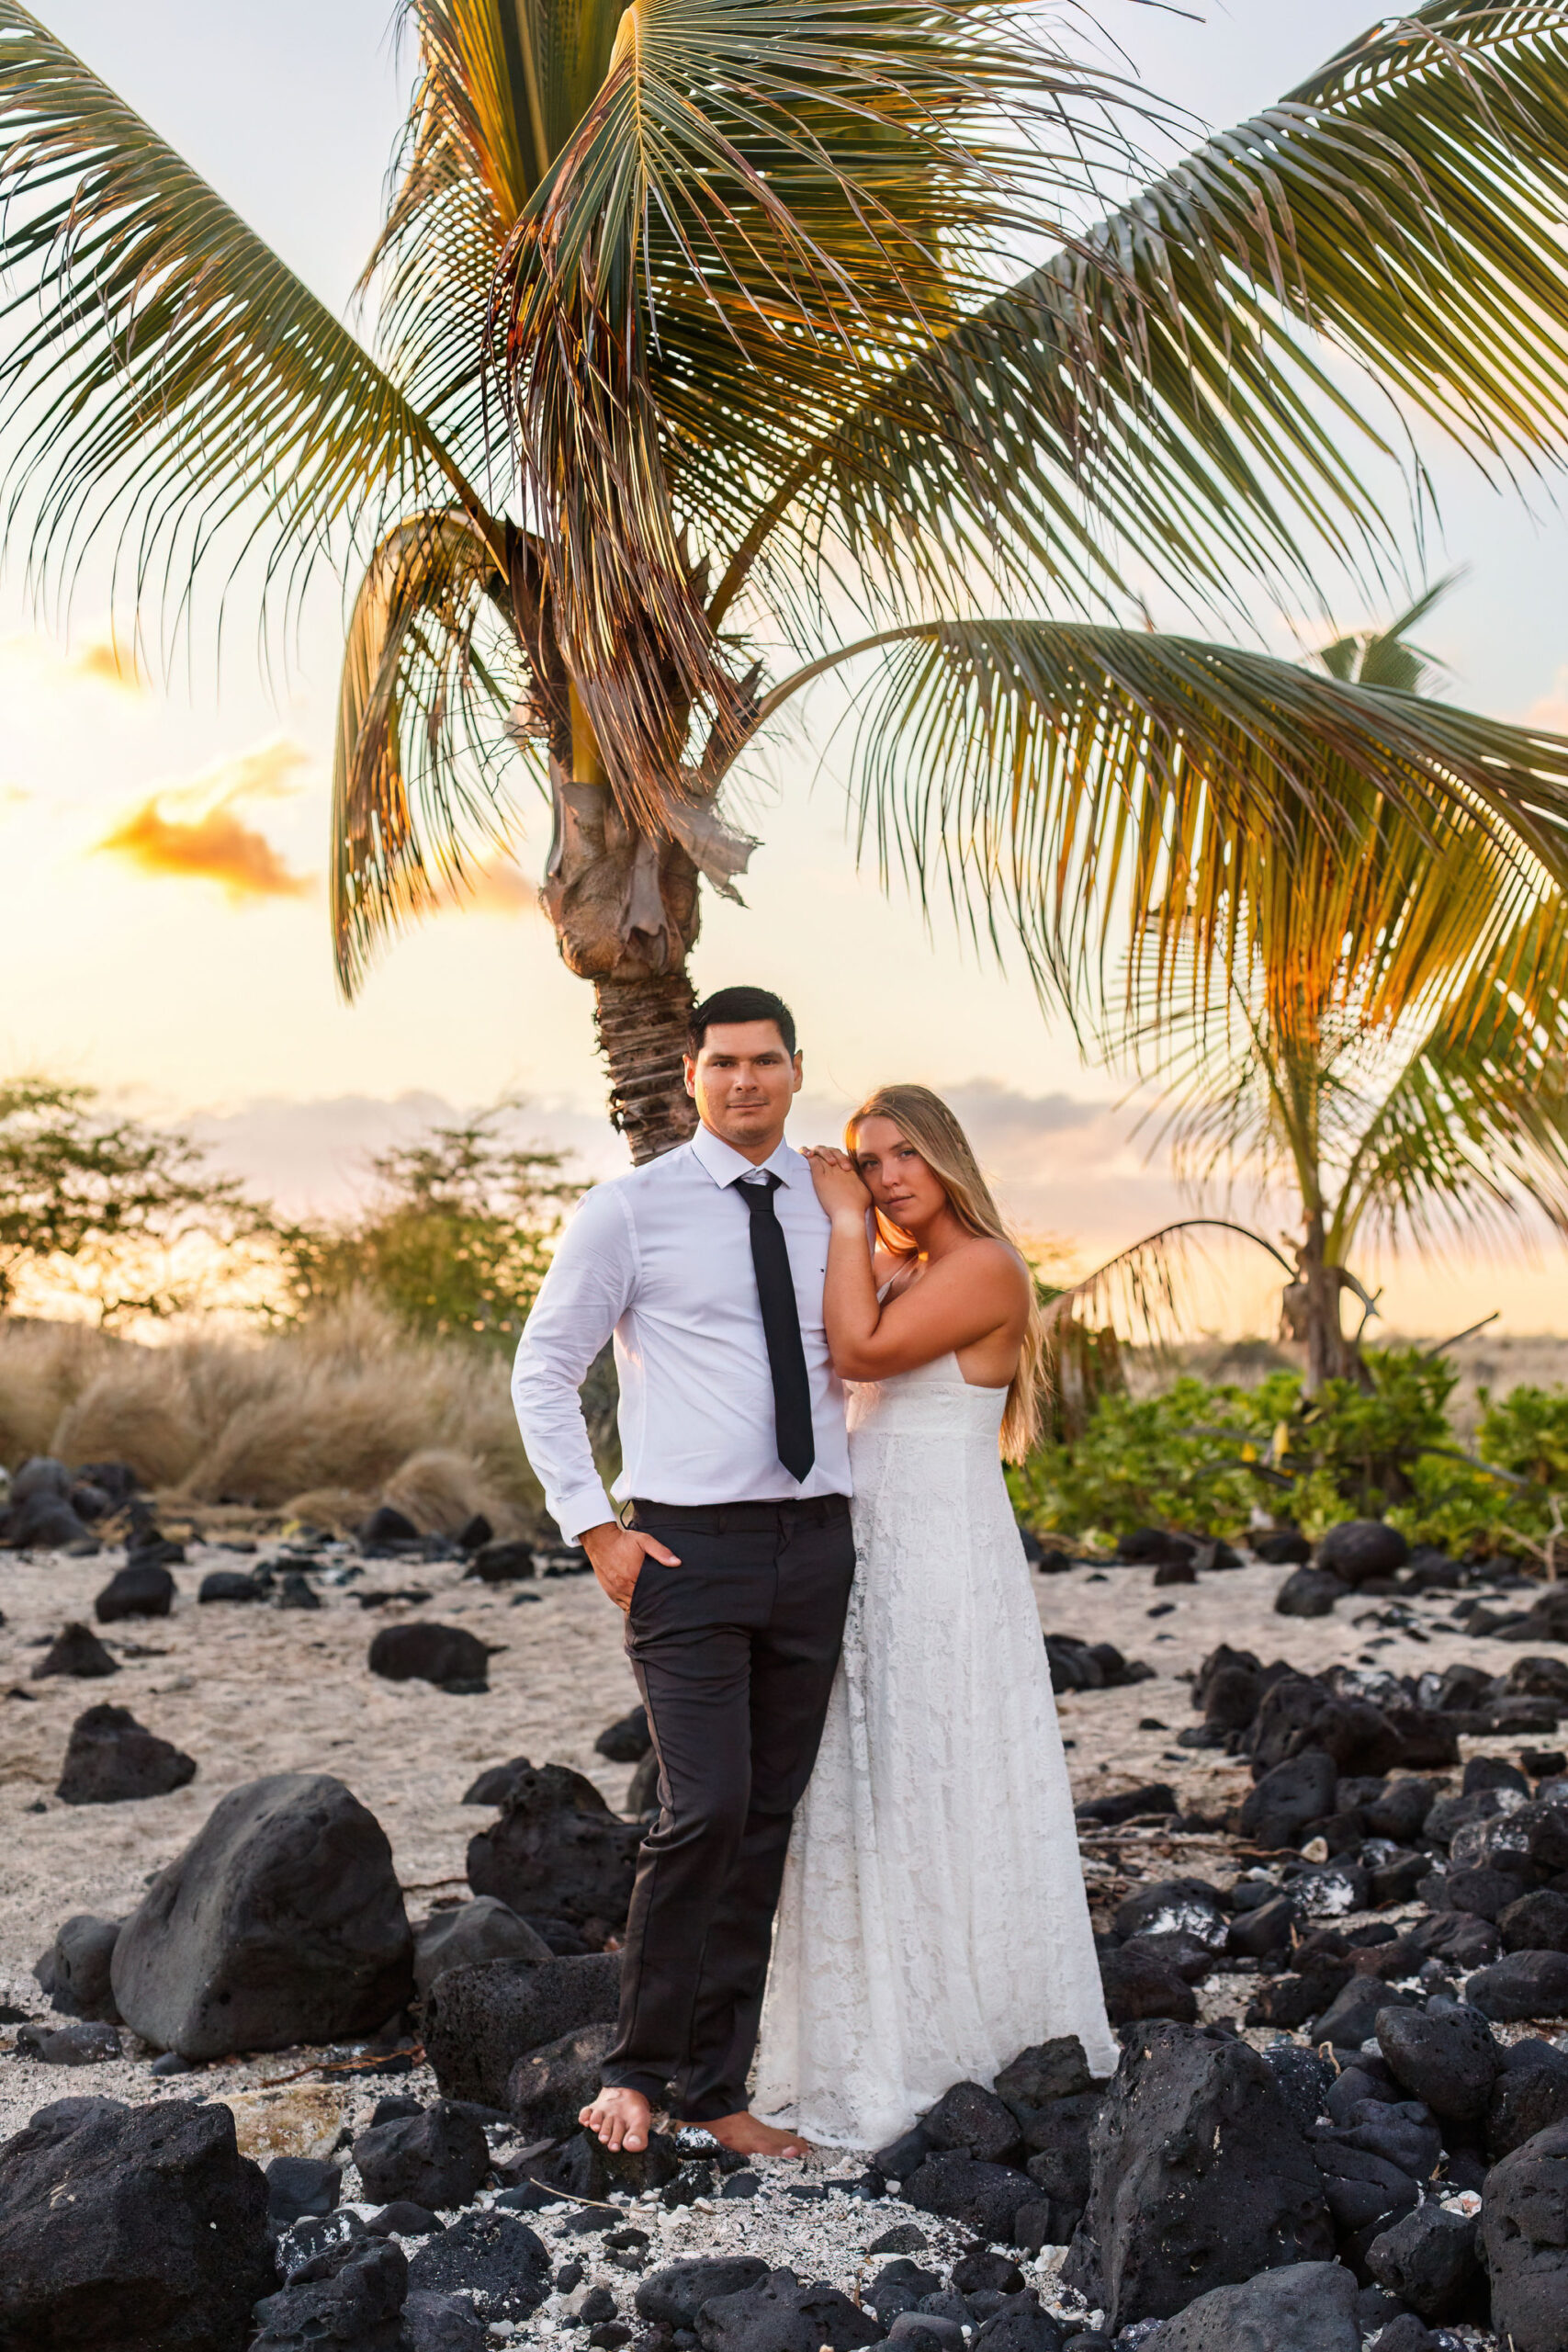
x,y
839,1184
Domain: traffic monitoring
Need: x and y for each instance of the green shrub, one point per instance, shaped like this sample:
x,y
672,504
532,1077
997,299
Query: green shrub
x,y
1203,1459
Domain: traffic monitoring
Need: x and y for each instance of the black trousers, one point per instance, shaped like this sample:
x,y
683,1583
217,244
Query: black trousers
x,y
734,1652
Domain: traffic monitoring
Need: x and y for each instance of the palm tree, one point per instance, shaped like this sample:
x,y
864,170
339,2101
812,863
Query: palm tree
x,y
697,325
1389,1041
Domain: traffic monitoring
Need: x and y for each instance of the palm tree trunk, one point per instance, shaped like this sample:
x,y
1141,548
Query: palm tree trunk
x,y
626,914
1311,1312
642,1036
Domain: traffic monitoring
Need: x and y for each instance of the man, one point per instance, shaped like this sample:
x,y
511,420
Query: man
x,y
733,1557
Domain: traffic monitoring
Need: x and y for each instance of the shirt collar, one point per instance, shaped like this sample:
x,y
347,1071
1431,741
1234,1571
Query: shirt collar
x,y
728,1166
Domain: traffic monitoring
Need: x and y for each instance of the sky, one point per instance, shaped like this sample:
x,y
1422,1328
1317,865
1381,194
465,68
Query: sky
x,y
163,837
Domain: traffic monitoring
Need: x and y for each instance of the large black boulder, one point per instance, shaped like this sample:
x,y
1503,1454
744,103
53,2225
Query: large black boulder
x,y
74,1971
1429,2259
1305,2307
1359,1549
40,1516
779,2314
110,1758
1524,2224
469,1934
438,2159
628,1740
1444,2054
282,1922
130,2230
493,2258
1163,1906
448,1656
480,2021
1043,2073
442,2324
548,2088
1291,1794
673,2296
351,2296
141,1589
77,1651
1200,2177
1522,1985
1529,2094
558,1851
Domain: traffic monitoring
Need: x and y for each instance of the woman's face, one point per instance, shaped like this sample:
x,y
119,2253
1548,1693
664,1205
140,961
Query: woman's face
x,y
900,1182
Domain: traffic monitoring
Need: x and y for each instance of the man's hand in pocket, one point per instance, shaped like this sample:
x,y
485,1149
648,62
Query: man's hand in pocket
x,y
616,1554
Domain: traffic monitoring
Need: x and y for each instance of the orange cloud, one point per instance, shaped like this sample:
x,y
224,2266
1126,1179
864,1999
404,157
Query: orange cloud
x,y
105,658
212,843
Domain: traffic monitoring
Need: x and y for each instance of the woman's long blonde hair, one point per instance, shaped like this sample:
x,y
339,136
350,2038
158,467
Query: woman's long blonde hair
x,y
924,1120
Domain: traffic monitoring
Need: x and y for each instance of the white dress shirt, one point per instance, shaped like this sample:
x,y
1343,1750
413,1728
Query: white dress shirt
x,y
663,1257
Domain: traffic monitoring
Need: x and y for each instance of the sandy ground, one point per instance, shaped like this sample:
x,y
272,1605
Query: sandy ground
x,y
248,1690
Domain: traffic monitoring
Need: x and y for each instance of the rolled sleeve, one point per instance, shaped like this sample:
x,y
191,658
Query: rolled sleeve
x,y
581,1301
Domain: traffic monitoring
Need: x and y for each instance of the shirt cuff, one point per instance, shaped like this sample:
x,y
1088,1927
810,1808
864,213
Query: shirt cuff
x,y
588,1506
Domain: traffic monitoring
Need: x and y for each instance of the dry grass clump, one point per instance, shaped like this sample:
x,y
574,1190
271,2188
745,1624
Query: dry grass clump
x,y
349,1406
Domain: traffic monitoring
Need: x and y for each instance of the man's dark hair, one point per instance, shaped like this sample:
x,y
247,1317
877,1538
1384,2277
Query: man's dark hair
x,y
727,1006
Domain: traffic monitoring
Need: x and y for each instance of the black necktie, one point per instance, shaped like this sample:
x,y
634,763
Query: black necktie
x,y
781,1328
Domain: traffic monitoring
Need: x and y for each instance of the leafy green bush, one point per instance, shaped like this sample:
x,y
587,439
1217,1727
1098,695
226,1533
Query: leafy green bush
x,y
1203,1459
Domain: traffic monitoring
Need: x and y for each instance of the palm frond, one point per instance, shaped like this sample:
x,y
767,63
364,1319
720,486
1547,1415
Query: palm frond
x,y
1408,205
411,774
1471,1132
165,374
1093,785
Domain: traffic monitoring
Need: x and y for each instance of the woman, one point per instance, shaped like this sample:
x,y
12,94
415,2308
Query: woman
x,y
933,1921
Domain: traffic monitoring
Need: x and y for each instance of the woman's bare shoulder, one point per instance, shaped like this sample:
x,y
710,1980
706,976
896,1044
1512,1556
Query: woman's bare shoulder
x,y
979,1256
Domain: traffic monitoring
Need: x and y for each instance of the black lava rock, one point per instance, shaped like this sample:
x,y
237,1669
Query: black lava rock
x,y
469,1934
75,1650
1260,1933
1529,2094
82,2044
231,1584
141,1589
627,1741
986,2198
497,1781
548,2088
1200,2177
111,1758
298,2186
386,1529
1292,1794
506,1562
557,1849
1165,1906
1020,2326
1353,2014
74,1971
1044,2072
1429,2259
675,2295
351,2296
480,2021
1155,1799
282,1922
1309,1592
442,2324
779,2314
899,2287
1145,1984
130,2227
297,1592
423,1652
493,2259
1537,1922
1524,1985
438,2159
404,2220
1524,2223
1359,1549
1444,2054
1281,1547
1303,2307
974,2120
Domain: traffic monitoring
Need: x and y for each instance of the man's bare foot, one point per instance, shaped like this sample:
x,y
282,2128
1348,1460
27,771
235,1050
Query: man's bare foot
x,y
620,2118
748,2137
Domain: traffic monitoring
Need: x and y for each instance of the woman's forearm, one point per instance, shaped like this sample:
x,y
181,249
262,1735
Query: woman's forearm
x,y
849,1305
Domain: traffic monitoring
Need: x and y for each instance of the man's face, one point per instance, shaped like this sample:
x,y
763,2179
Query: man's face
x,y
743,1082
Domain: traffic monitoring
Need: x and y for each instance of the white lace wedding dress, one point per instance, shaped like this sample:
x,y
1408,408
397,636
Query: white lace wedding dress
x,y
933,1921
